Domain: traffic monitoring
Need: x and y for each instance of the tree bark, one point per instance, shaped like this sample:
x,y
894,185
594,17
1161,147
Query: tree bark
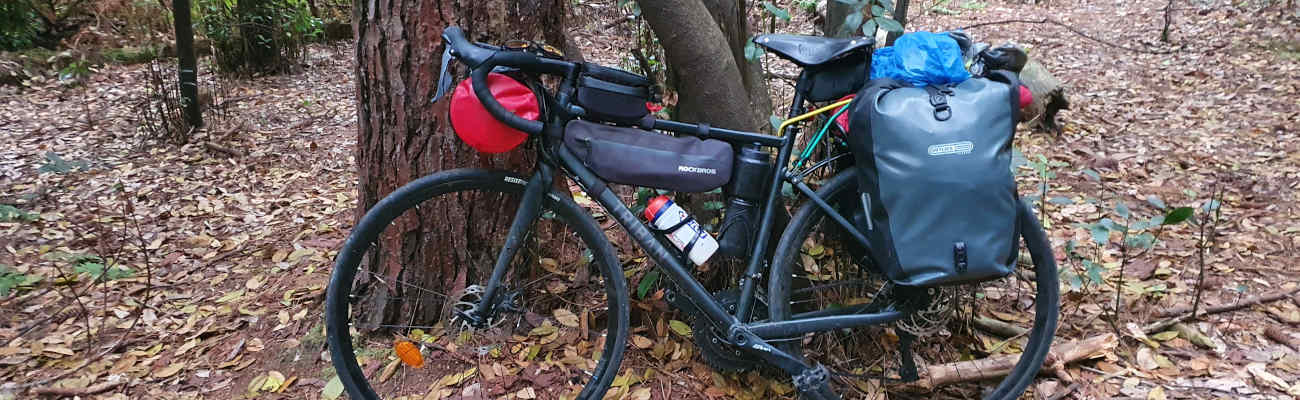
x,y
401,136
836,12
710,86
730,15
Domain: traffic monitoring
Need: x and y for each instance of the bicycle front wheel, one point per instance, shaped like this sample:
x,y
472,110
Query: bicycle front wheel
x,y
391,307
819,269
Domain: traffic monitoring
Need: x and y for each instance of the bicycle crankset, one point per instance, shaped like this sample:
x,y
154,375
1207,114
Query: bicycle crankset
x,y
717,351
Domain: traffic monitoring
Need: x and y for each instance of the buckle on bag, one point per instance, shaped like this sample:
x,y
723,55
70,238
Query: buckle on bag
x,y
939,100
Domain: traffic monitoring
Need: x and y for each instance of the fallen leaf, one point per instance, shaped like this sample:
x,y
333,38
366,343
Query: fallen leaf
x,y
680,328
566,317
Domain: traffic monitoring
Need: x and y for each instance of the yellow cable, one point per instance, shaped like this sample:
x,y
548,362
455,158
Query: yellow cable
x,y
780,131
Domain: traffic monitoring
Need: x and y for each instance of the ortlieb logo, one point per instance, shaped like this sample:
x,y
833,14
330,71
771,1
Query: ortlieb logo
x,y
962,147
697,170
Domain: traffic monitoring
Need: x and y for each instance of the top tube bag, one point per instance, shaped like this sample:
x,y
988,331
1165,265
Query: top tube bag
x,y
613,95
934,165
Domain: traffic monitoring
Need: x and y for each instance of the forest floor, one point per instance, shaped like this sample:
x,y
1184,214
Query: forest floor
x,y
132,268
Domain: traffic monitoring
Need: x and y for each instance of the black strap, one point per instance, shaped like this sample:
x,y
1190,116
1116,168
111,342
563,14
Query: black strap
x,y
939,100
959,256
674,227
687,250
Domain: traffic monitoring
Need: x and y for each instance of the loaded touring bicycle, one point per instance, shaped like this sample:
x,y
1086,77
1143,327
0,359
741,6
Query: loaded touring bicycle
x,y
887,234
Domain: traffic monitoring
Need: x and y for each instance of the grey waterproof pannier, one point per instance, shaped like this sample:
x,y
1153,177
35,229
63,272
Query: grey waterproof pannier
x,y
638,157
934,165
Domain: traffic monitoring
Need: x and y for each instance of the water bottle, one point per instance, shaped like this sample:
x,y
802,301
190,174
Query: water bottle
x,y
664,214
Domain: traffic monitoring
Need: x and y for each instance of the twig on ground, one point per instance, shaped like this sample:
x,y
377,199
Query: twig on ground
x,y
1281,336
1250,301
999,328
992,367
73,392
1076,31
222,149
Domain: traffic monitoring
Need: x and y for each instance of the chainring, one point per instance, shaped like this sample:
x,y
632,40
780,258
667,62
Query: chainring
x,y
717,351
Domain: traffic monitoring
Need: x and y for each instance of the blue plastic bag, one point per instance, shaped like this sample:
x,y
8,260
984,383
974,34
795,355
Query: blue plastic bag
x,y
920,59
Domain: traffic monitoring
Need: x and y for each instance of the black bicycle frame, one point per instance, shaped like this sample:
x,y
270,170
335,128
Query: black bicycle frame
x,y
738,326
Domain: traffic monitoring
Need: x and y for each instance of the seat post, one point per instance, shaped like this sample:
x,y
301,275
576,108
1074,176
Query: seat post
x,y
800,92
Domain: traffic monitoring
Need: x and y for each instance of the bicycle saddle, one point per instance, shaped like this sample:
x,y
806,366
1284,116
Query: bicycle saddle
x,y
812,51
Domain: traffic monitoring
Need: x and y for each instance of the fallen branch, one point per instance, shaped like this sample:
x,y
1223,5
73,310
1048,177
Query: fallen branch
x,y
1072,29
73,392
1250,301
999,328
222,149
1280,336
993,367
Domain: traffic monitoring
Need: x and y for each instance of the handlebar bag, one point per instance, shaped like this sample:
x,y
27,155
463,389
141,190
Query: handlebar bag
x,y
934,170
612,95
643,158
478,128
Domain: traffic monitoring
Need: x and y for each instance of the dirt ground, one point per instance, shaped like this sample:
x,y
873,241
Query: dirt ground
x,y
227,255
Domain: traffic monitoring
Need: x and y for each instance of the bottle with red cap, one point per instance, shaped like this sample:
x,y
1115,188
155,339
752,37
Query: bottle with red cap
x,y
682,230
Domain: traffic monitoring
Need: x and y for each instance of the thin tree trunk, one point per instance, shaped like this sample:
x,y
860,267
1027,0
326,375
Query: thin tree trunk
x,y
710,86
402,137
187,65
836,12
900,15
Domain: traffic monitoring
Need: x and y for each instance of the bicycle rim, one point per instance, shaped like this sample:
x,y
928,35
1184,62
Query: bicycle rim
x,y
821,269
563,326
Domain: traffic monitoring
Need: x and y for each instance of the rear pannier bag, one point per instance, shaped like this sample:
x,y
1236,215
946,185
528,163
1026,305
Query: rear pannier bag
x,y
613,95
934,168
638,157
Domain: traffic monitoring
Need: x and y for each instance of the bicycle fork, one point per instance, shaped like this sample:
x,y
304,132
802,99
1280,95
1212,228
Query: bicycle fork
x,y
529,209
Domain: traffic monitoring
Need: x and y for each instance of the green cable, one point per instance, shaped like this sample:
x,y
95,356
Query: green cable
x,y
807,150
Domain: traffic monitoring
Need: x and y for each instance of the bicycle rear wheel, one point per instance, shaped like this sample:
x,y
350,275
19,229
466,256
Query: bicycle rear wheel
x,y
563,319
817,267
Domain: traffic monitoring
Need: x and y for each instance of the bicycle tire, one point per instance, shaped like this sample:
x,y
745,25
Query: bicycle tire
x,y
340,323
841,189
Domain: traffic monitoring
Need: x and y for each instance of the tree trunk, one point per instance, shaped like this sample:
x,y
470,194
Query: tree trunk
x,y
836,12
709,84
730,15
187,65
401,136
900,15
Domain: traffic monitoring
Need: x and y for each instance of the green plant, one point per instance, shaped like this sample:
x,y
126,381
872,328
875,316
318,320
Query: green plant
x,y
19,25
56,164
808,6
11,279
98,269
868,16
10,213
257,36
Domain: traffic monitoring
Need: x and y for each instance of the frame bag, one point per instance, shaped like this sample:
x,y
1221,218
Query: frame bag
x,y
643,158
934,169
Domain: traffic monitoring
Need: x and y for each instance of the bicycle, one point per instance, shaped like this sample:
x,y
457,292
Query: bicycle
x,y
817,282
